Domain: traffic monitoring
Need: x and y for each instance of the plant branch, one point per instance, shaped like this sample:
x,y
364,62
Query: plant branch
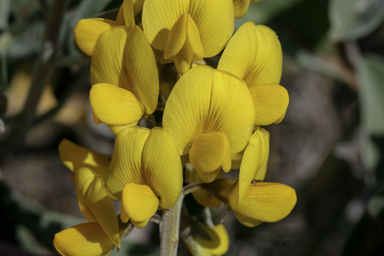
x,y
170,225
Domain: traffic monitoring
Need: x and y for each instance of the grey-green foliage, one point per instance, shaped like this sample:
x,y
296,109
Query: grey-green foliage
x,y
353,19
371,80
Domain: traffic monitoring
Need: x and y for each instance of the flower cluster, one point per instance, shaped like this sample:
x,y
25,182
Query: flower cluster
x,y
211,121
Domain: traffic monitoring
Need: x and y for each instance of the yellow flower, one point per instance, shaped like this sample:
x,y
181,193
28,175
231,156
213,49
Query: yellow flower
x,y
254,55
188,30
145,173
209,115
102,233
241,7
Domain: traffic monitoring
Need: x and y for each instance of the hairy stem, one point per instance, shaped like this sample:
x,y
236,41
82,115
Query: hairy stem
x,y
169,229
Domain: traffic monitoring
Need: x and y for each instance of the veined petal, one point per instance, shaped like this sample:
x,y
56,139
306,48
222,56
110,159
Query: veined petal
x,y
215,21
254,55
84,178
86,239
161,167
100,204
253,165
206,100
208,153
138,202
159,16
187,107
126,161
127,63
230,110
76,157
87,31
183,44
266,202
219,240
114,105
270,102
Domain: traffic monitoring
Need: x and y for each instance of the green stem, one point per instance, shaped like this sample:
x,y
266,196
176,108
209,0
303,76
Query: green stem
x,y
169,229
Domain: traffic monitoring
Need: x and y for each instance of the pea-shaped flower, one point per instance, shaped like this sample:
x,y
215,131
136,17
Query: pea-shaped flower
x,y
254,55
145,173
210,115
102,233
188,30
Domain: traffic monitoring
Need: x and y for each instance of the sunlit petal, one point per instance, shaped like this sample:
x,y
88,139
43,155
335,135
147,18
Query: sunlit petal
x,y
254,55
124,58
126,161
208,153
100,204
86,239
88,31
206,100
138,202
76,157
271,103
266,202
114,105
253,165
161,167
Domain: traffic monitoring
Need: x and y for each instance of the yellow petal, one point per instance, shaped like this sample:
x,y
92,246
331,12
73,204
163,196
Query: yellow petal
x,y
219,243
271,103
125,59
201,196
253,165
114,105
158,18
88,31
75,157
241,7
183,44
84,178
254,55
206,100
138,202
126,161
129,17
230,110
101,206
208,153
137,6
214,20
140,224
86,239
266,202
161,167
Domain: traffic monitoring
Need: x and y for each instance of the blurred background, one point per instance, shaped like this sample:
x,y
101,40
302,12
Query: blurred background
x,y
329,147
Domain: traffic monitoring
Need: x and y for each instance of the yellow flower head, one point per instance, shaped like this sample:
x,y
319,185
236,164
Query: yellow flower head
x,y
188,30
254,55
210,115
145,173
